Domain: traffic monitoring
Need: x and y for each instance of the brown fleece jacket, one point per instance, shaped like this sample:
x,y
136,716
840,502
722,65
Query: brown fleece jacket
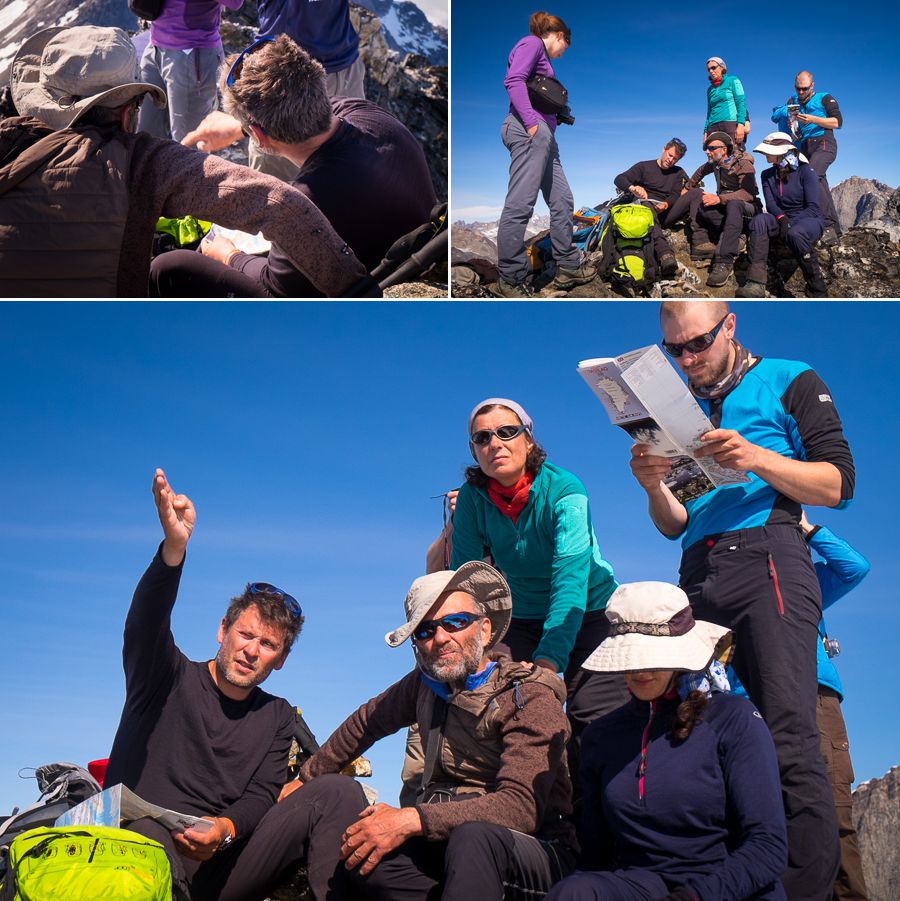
x,y
503,746
735,180
163,178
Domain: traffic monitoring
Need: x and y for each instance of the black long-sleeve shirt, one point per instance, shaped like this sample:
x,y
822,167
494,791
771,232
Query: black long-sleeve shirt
x,y
661,184
181,743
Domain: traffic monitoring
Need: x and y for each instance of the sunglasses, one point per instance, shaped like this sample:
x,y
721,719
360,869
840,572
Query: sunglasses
x,y
234,73
289,601
715,147
804,90
452,622
695,345
713,67
679,145
504,433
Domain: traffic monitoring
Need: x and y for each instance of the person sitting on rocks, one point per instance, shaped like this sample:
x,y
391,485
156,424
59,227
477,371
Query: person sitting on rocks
x,y
360,166
791,191
661,183
726,213
494,734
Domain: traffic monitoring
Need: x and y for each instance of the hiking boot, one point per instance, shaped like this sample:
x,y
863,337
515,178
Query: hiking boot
x,y
507,289
705,250
668,265
829,237
566,279
812,272
751,289
719,273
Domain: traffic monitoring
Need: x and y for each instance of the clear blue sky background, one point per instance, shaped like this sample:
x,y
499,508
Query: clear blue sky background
x,y
310,437
636,77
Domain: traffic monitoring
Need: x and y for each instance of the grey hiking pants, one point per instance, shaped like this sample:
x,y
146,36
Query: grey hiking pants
x,y
189,79
347,82
534,166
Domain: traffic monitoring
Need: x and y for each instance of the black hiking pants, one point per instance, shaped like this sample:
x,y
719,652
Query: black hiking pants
x,y
187,273
725,221
480,862
821,153
760,582
304,828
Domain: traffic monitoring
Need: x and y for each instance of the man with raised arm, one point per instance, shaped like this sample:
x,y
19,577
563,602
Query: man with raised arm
x,y
201,737
745,564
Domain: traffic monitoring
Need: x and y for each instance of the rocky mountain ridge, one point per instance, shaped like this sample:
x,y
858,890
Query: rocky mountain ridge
x,y
876,816
869,203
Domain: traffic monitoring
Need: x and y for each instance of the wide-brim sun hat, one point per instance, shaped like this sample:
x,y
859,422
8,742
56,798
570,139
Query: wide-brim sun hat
x,y
778,143
480,580
60,73
652,627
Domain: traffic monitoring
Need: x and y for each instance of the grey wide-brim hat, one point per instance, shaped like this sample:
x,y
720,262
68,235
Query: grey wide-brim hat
x,y
60,73
651,628
484,583
778,143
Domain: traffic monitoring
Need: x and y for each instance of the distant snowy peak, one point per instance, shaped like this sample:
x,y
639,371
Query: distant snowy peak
x,y
407,29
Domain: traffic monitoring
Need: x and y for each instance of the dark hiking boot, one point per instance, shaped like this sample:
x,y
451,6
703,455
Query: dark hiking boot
x,y
566,279
506,289
719,273
668,265
829,237
812,272
751,289
705,250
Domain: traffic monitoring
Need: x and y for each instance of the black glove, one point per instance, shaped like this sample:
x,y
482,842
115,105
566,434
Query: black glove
x,y
783,225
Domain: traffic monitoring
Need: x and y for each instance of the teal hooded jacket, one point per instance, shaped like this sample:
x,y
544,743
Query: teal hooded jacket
x,y
550,556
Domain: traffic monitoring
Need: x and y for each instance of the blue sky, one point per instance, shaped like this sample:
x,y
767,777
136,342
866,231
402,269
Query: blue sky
x,y
311,437
636,77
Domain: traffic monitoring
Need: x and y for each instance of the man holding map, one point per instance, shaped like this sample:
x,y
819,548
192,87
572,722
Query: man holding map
x,y
744,563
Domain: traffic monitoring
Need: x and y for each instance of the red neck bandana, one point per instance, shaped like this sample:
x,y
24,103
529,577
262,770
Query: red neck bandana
x,y
511,501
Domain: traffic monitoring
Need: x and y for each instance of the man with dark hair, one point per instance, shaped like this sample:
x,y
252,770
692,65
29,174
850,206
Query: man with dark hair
x,y
727,213
202,738
745,564
494,734
812,117
361,167
660,183
82,193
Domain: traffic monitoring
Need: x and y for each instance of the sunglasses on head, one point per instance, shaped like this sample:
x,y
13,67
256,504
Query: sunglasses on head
x,y
679,145
289,601
234,73
695,345
452,622
504,433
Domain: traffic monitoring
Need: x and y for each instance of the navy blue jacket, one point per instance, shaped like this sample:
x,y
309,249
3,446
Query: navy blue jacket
x,y
321,27
707,813
784,406
796,197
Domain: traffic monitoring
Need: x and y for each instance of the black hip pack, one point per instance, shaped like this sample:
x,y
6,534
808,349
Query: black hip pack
x,y
547,94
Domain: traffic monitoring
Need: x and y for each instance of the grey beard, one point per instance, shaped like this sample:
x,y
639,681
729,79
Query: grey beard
x,y
470,663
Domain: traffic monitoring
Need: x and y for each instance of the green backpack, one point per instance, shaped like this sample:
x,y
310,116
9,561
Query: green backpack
x,y
626,245
86,863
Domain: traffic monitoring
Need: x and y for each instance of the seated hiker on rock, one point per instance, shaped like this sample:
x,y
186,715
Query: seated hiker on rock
x,y
82,192
361,166
725,214
791,191
681,792
201,737
661,181
494,735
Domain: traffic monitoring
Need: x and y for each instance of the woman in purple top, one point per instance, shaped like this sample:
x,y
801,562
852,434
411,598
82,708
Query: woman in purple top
x,y
535,166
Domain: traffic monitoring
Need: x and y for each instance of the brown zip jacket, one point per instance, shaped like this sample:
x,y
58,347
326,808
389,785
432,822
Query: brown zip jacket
x,y
503,747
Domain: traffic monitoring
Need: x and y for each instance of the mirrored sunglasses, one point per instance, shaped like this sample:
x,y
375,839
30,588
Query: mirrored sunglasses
x,y
504,433
452,622
293,607
695,345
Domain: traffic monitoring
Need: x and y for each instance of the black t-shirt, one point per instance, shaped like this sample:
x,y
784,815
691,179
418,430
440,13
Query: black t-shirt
x,y
371,181
181,743
660,184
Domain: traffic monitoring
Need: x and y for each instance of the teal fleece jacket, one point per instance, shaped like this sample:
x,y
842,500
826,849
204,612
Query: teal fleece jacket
x,y
549,557
726,102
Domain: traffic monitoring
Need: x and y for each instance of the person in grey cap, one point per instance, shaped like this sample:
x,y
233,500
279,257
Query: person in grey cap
x,y
494,735
82,192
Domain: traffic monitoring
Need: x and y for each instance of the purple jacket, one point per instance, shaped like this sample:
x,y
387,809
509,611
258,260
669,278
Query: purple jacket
x,y
526,59
187,24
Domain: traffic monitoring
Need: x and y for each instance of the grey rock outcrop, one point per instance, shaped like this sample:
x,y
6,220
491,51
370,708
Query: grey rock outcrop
x,y
876,816
868,203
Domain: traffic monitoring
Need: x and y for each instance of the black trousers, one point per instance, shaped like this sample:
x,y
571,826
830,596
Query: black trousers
x,y
761,583
480,862
821,153
727,221
304,828
801,238
187,273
